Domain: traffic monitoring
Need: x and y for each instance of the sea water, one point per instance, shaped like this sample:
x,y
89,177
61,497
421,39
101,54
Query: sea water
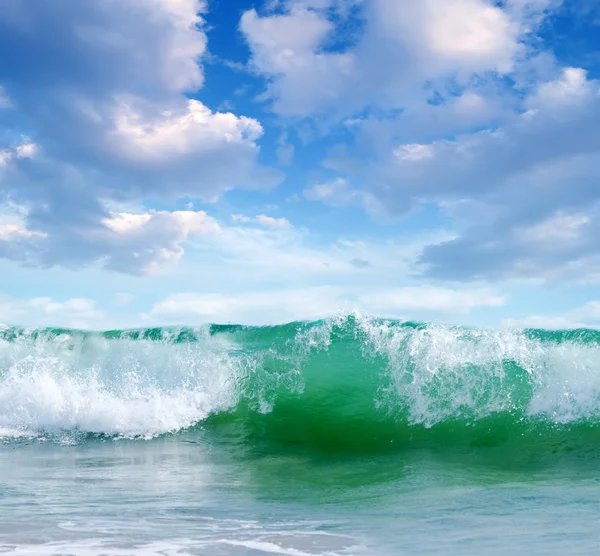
x,y
350,435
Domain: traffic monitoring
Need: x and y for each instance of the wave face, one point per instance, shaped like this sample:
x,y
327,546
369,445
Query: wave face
x,y
347,383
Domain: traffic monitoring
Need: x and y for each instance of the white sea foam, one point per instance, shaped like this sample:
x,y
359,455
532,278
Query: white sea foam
x,y
442,372
263,539
130,388
56,384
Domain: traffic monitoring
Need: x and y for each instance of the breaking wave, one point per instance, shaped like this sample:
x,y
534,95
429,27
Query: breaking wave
x,y
348,382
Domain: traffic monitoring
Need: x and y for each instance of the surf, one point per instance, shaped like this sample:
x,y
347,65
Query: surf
x,y
345,384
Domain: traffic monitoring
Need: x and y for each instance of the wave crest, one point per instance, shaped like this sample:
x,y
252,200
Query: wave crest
x,y
347,380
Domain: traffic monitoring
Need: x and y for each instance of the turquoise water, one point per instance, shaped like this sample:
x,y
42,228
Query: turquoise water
x,y
345,436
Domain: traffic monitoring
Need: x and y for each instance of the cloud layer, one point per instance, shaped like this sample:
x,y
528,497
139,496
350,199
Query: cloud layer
x,y
113,125
399,46
281,306
438,155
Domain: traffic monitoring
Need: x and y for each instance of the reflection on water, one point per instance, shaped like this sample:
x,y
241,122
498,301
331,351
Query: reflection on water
x,y
186,495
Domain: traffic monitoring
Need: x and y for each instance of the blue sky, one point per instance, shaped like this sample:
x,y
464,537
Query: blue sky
x,y
179,161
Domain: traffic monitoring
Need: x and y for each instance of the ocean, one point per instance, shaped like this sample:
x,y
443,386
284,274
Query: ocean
x,y
346,436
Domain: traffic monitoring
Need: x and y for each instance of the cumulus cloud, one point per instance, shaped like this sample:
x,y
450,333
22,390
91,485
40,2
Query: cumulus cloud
x,y
402,45
22,150
114,122
532,188
177,133
557,125
254,274
433,121
134,243
523,194
144,242
437,125
286,46
451,105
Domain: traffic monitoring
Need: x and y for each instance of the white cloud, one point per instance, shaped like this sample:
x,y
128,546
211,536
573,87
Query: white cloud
x,y
26,150
287,305
285,150
414,152
142,243
186,221
268,307
559,227
263,220
22,150
245,272
271,222
286,46
542,207
338,193
523,194
572,89
587,316
469,34
253,253
546,322
250,250
11,232
147,242
192,129
14,234
409,81
45,311
401,301
403,45
250,257
115,125
175,25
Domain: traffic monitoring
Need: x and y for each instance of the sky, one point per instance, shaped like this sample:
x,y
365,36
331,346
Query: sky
x,y
178,162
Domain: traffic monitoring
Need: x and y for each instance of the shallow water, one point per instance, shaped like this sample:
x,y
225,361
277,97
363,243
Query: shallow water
x,y
175,496
348,436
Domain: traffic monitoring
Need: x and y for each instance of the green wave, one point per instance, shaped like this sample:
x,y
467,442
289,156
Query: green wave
x,y
346,384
